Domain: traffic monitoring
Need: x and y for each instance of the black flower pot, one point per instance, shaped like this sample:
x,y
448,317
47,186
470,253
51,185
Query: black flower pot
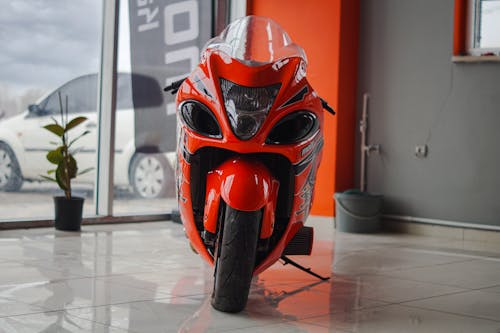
x,y
68,213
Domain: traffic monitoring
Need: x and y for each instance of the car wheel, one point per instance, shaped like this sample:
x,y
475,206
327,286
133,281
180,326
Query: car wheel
x,y
11,179
151,176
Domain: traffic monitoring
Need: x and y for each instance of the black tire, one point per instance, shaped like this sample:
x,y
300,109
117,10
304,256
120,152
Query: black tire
x,y
11,179
235,260
161,182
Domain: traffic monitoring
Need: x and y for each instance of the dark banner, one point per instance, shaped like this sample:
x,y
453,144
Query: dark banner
x,y
166,37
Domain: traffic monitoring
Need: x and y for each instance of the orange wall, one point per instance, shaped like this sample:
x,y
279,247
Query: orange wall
x,y
328,31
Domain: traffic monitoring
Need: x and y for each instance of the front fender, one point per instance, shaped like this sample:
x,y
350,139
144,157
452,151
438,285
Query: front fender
x,y
244,184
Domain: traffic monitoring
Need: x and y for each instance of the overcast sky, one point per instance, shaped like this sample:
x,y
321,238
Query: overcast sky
x,y
491,24
46,42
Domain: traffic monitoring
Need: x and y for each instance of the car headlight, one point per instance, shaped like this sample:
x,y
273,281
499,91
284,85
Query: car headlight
x,y
247,107
293,128
200,119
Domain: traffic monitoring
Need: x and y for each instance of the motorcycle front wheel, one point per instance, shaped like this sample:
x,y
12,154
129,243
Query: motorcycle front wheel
x,y
235,259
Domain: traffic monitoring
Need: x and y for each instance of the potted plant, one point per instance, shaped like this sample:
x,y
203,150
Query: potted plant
x,y
68,208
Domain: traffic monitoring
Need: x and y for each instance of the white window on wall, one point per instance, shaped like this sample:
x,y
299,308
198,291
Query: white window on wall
x,y
484,27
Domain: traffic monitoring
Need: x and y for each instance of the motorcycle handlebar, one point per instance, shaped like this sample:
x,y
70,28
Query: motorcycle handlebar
x,y
327,107
174,86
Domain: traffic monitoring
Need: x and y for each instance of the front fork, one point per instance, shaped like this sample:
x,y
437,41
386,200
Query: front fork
x,y
244,184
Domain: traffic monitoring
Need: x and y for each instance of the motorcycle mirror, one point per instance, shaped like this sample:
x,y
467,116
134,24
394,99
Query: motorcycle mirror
x,y
174,86
326,106
34,108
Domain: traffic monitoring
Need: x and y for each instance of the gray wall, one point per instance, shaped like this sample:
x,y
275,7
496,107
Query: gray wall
x,y
419,96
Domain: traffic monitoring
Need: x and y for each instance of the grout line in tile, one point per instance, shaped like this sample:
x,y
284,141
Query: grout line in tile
x,y
403,305
44,311
464,289
323,327
488,287
258,327
420,281
48,281
32,313
345,312
78,307
392,270
434,296
163,296
445,253
37,311
117,303
80,318
146,289
449,312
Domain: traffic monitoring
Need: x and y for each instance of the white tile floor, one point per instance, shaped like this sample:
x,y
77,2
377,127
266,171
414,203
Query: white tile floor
x,y
144,278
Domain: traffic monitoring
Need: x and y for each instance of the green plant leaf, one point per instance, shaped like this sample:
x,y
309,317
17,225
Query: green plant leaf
x,y
71,166
55,128
85,171
77,138
66,170
55,156
48,178
75,122
62,156
61,178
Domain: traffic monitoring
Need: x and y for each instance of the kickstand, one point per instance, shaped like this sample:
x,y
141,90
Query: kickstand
x,y
302,268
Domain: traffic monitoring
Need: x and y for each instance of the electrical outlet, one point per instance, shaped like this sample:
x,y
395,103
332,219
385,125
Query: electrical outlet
x,y
421,151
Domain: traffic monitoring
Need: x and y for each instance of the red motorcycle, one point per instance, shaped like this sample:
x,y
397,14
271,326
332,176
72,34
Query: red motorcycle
x,y
250,143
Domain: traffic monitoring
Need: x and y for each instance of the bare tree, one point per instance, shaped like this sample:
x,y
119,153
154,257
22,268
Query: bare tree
x,y
12,103
30,96
8,101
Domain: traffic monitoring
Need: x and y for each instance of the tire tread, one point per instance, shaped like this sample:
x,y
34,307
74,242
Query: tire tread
x,y
233,275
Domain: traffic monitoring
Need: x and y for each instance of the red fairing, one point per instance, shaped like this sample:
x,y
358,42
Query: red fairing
x,y
245,185
240,180
216,65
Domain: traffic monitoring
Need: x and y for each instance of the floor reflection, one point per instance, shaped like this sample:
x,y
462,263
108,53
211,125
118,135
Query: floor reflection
x,y
144,278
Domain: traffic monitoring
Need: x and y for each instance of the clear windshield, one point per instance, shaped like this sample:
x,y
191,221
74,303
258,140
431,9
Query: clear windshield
x,y
256,40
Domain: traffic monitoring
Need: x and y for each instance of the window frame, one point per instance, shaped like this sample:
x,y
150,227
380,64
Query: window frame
x,y
106,107
462,36
473,29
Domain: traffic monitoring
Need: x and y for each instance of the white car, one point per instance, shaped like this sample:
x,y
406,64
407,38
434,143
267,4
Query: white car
x,y
24,143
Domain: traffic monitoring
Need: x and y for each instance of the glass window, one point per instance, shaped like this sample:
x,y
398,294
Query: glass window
x,y
158,42
485,27
124,92
59,52
47,46
80,92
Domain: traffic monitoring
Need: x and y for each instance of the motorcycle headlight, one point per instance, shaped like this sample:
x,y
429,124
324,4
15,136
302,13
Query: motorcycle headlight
x,y
200,119
247,107
293,128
